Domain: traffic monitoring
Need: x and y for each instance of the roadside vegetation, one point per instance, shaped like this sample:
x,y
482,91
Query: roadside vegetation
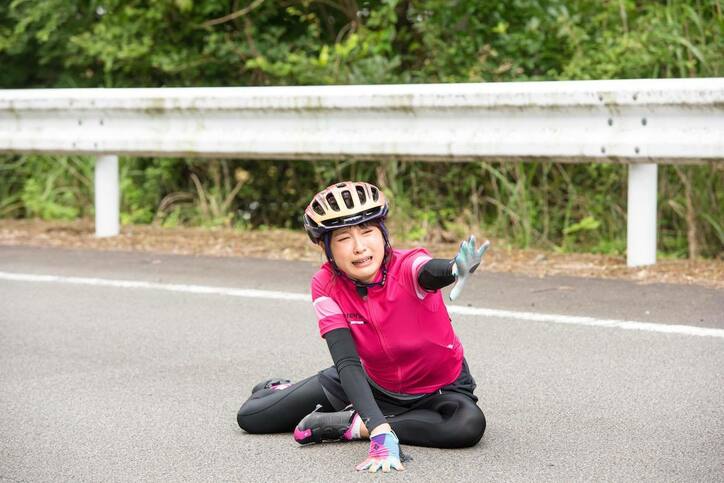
x,y
562,207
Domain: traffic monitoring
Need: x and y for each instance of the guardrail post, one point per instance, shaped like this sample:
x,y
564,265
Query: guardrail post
x,y
107,196
641,224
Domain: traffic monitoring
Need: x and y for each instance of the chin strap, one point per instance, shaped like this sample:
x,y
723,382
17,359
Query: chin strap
x,y
363,287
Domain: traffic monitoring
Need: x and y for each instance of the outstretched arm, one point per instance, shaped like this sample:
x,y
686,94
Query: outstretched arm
x,y
438,273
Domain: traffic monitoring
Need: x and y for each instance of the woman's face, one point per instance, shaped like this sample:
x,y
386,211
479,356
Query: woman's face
x,y
358,251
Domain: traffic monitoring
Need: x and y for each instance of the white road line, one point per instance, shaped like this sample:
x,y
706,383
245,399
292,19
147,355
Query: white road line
x,y
590,321
453,309
170,287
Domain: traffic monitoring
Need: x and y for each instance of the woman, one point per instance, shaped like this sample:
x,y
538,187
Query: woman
x,y
399,374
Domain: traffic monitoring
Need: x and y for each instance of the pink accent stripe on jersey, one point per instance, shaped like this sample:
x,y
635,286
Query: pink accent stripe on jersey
x,y
416,267
325,307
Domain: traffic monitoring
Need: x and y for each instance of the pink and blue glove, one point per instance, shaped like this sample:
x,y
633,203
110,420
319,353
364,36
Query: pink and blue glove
x,y
466,262
384,454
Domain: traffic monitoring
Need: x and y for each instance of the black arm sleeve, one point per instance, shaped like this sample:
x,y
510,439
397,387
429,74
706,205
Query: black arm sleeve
x,y
354,382
436,274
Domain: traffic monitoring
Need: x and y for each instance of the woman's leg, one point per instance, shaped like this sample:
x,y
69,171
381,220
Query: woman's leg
x,y
450,419
279,410
447,420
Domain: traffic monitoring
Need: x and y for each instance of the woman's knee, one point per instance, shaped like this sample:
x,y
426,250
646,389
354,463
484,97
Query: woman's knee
x,y
467,425
473,427
247,419
259,416
278,411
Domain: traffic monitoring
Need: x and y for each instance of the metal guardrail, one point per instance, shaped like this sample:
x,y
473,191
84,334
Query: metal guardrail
x,y
638,122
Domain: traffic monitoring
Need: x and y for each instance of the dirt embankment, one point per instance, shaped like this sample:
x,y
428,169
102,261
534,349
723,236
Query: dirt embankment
x,y
294,245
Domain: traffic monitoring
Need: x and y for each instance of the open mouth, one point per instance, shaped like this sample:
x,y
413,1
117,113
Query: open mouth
x,y
363,261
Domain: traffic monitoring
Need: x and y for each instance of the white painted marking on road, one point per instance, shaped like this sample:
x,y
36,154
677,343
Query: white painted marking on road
x,y
589,321
453,309
170,287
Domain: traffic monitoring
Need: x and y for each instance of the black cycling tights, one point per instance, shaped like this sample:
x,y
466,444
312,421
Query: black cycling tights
x,y
440,420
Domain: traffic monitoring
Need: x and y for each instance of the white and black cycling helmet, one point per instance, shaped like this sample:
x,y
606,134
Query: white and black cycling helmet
x,y
344,204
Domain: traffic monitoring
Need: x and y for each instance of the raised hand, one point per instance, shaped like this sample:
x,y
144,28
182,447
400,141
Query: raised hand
x,y
466,262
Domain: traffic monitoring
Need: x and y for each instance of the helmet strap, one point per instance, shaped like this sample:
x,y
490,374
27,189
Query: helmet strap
x,y
388,246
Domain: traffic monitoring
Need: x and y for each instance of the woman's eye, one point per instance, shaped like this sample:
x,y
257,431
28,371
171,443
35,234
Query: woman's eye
x,y
341,239
367,232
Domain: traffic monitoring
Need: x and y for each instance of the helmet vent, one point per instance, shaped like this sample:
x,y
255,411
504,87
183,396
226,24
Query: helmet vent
x,y
332,202
334,222
347,197
375,193
361,194
318,208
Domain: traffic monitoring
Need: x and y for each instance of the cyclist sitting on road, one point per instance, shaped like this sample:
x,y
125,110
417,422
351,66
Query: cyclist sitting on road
x,y
399,374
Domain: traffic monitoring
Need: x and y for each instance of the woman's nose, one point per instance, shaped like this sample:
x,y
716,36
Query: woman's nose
x,y
359,245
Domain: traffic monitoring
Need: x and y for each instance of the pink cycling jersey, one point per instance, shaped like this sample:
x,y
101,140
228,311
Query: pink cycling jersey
x,y
402,332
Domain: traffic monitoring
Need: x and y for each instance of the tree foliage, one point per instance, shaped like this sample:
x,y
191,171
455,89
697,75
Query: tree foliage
x,y
130,43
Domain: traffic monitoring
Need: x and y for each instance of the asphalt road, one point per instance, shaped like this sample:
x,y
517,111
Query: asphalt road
x,y
111,383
